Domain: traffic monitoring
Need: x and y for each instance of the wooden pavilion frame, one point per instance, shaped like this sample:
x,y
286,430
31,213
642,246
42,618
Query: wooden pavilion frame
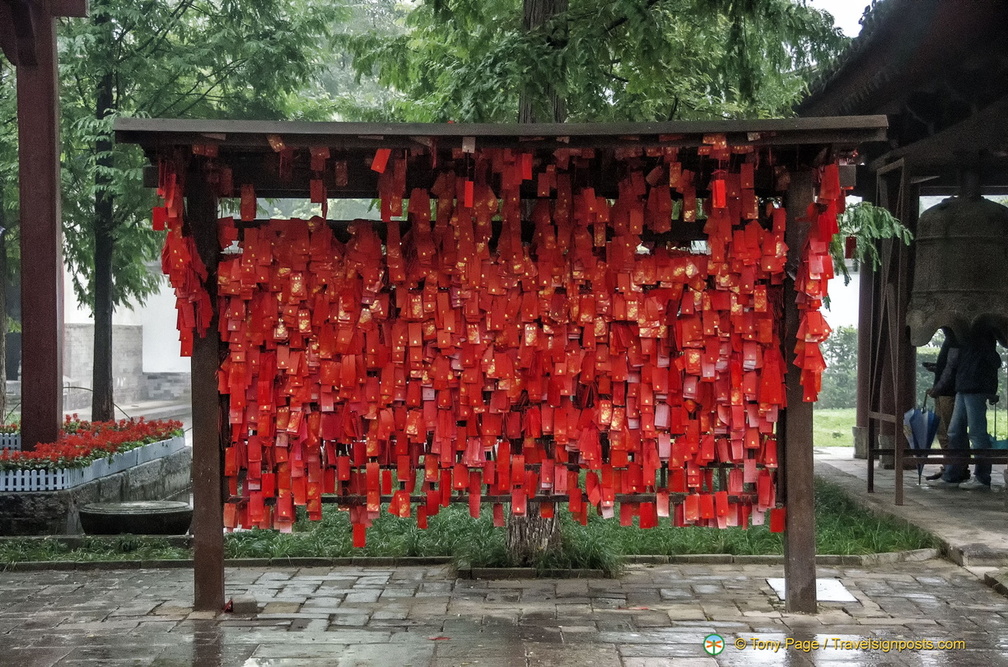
x,y
245,147
936,67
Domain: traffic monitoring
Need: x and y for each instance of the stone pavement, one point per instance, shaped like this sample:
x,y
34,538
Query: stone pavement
x,y
422,615
180,409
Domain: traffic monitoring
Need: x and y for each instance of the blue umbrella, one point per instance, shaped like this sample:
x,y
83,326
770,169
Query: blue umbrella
x,y
920,425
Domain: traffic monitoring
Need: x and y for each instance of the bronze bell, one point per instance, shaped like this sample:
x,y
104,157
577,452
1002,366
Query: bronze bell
x,y
961,270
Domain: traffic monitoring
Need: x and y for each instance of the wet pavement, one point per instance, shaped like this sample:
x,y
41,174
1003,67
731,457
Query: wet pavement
x,y
653,615
930,612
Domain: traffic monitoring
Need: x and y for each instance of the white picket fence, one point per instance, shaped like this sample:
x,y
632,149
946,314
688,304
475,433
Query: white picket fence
x,y
10,441
67,478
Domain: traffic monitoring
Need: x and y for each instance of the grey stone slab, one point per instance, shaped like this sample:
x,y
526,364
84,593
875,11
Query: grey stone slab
x,y
344,620
479,661
303,651
114,652
15,656
416,633
363,597
399,655
553,655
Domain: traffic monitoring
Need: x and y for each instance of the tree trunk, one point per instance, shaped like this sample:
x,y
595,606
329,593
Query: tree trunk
x,y
102,406
3,310
531,536
552,109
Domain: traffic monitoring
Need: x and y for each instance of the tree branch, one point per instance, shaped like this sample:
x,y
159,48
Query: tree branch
x,y
623,19
217,76
157,38
675,109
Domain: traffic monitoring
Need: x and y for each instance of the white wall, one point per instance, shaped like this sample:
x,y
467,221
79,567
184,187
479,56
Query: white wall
x,y
160,334
157,316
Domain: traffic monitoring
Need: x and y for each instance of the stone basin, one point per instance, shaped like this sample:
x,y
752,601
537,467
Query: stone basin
x,y
138,517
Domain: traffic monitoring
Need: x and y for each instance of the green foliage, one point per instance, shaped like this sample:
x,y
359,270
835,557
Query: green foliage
x,y
359,96
868,224
182,58
9,205
638,60
839,380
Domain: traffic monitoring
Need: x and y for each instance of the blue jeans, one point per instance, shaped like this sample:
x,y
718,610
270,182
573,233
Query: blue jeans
x,y
969,414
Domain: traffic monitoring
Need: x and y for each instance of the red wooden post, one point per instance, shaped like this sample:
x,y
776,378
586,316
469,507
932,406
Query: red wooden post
x,y
28,39
796,435
41,239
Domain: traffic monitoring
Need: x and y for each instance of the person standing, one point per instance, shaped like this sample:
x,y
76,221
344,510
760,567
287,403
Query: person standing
x,y
943,390
975,384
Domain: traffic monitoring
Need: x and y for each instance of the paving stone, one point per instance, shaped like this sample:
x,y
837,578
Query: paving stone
x,y
363,596
650,619
41,656
552,655
201,615
349,620
417,655
652,616
281,607
686,613
668,662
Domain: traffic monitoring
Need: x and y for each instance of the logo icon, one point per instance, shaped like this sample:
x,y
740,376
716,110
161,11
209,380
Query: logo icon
x,y
713,644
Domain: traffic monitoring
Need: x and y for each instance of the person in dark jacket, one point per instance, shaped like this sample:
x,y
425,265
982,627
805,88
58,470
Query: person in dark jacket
x,y
943,390
975,384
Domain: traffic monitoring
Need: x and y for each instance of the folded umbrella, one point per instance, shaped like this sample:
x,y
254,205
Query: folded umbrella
x,y
920,425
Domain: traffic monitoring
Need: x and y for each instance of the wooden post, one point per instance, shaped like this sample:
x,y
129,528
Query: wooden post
x,y
870,370
208,421
905,371
897,372
796,432
866,305
41,238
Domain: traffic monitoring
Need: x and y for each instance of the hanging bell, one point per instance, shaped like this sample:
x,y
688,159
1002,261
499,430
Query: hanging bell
x,y
961,269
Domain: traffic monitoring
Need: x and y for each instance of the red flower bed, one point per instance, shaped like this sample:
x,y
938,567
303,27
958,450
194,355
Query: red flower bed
x,y
83,442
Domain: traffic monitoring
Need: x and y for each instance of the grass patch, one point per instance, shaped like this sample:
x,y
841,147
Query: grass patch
x,y
87,549
831,427
842,527
845,528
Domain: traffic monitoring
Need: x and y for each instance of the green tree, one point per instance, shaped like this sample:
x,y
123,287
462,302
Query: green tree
x,y
358,96
839,380
9,216
181,58
592,60
640,60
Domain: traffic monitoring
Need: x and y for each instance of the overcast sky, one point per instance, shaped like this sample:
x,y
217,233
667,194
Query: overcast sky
x,y
846,13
